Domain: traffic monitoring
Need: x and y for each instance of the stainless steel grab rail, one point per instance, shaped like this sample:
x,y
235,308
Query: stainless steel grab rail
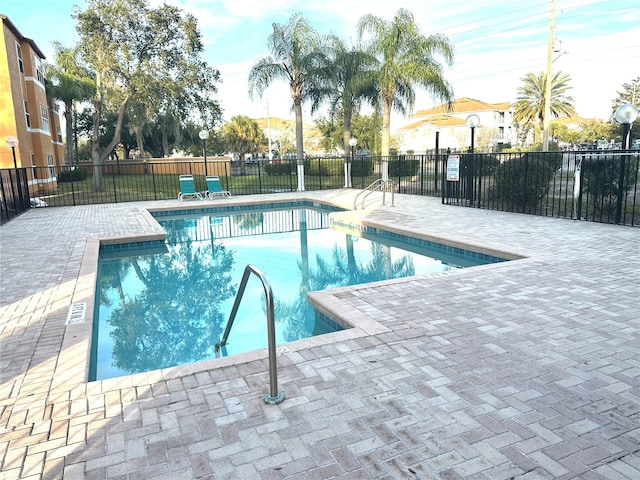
x,y
378,185
273,397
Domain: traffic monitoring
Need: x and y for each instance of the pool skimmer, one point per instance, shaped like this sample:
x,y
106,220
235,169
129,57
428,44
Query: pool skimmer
x,y
76,313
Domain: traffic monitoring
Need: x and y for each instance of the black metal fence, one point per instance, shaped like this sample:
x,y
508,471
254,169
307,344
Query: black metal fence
x,y
599,186
14,193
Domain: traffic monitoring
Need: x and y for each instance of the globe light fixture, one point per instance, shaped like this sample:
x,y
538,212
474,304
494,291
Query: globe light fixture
x,y
625,115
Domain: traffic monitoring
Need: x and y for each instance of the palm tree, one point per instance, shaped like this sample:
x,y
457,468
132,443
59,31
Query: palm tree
x,y
298,57
529,109
242,135
406,58
68,82
352,80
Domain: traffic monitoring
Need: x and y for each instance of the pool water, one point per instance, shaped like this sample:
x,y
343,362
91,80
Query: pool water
x,y
167,303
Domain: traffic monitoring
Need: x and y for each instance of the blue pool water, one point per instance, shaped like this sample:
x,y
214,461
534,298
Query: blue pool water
x,y
160,304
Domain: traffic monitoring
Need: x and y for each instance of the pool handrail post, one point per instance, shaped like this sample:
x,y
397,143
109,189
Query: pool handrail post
x,y
273,397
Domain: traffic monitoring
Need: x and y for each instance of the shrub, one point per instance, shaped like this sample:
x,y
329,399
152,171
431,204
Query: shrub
x,y
521,183
601,180
487,164
362,167
403,167
326,167
75,175
285,168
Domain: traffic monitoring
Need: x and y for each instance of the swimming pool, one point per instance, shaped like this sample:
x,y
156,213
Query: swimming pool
x,y
166,303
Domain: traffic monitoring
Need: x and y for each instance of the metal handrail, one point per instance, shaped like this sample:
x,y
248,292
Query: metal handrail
x,y
273,397
378,185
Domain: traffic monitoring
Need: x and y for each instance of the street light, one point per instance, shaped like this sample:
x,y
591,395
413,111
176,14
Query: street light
x,y
347,164
13,143
204,134
472,121
625,115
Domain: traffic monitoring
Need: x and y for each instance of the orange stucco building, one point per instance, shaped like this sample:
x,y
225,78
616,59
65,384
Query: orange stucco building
x,y
25,112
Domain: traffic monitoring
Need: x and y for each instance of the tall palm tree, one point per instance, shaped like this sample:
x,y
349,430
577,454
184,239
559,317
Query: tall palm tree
x,y
352,81
407,58
529,109
70,83
298,56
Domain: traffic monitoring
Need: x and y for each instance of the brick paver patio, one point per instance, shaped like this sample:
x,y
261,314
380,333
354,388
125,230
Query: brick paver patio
x,y
528,369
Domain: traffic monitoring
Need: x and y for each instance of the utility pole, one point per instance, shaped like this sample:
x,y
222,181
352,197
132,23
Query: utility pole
x,y
547,85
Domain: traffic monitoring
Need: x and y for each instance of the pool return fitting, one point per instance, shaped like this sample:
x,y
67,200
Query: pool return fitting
x,y
273,397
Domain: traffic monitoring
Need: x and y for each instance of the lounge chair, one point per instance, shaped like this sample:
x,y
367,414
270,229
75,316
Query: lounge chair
x,y
188,188
214,187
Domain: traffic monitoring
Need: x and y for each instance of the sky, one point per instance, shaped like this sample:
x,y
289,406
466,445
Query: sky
x,y
496,43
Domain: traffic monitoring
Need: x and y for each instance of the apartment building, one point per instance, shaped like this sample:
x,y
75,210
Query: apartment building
x,y
449,125
25,112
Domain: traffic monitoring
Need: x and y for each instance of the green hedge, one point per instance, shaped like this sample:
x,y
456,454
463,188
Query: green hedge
x,y
285,168
521,183
404,167
75,175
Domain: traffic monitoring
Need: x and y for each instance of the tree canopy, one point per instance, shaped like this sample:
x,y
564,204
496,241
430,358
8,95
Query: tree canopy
x,y
529,108
406,58
145,58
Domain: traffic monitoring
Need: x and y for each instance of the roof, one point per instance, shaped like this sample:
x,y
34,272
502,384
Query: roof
x,y
436,121
462,105
21,37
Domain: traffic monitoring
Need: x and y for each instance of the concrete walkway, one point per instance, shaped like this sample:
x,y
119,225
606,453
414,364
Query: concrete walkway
x,y
528,369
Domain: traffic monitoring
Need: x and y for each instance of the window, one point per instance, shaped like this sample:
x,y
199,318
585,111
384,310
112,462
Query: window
x,y
44,112
39,73
59,134
26,114
33,165
20,62
52,170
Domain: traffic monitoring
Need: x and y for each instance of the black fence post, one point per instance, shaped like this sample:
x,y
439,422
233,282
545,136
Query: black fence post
x,y
115,189
479,192
620,189
153,180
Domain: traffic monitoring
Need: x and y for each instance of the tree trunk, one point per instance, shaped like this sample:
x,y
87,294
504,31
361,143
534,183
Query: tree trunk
x,y
68,118
299,144
346,137
99,158
386,135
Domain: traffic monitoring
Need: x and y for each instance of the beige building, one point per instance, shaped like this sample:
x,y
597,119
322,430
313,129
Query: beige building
x,y
496,127
25,112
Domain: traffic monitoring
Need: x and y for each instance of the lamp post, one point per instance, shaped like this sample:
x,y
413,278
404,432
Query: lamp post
x,y
472,121
625,115
347,166
204,134
435,170
13,143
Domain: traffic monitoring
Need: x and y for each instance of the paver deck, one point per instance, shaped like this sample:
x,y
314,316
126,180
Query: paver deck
x,y
528,369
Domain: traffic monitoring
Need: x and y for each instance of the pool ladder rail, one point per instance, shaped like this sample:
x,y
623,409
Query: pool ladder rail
x,y
379,185
273,397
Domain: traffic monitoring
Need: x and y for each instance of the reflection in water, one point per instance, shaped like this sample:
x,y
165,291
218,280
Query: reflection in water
x,y
166,309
